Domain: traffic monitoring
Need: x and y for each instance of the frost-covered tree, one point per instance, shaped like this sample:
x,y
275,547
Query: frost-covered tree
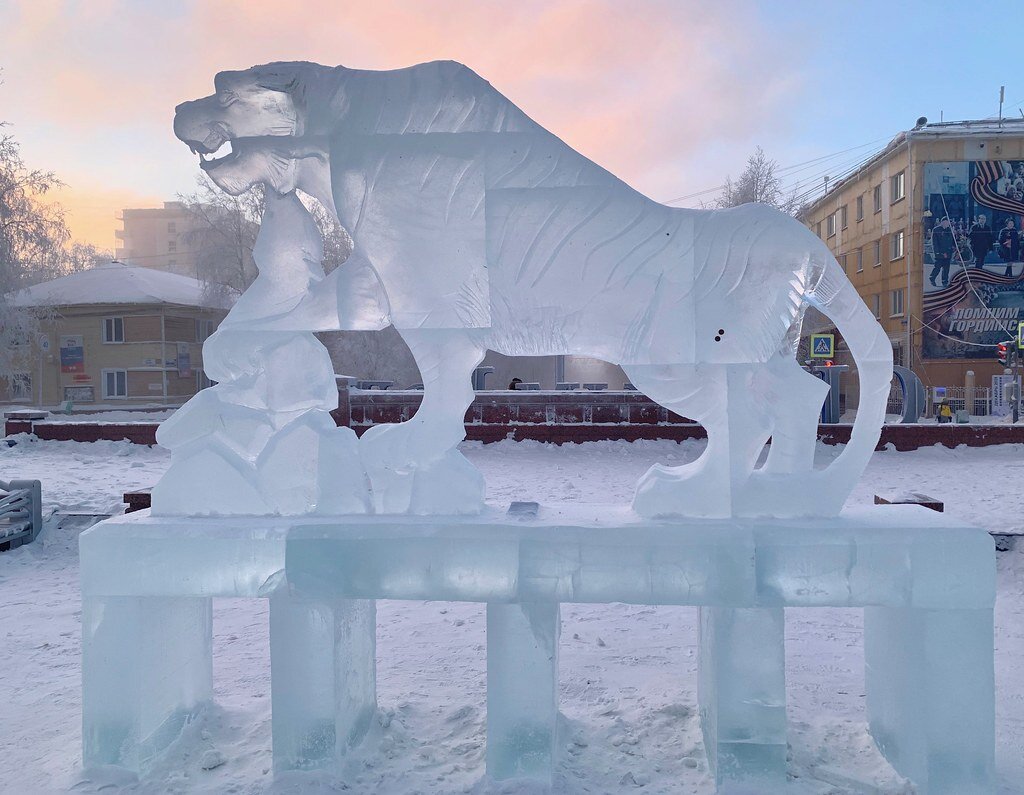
x,y
33,231
759,182
223,233
82,256
33,235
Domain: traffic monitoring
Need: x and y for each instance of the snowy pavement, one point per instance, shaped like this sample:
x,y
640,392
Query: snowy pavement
x,y
628,673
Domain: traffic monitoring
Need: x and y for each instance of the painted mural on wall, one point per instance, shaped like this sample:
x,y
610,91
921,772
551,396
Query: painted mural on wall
x,y
973,257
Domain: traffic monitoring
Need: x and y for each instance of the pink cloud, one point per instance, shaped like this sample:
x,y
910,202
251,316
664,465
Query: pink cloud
x,y
638,87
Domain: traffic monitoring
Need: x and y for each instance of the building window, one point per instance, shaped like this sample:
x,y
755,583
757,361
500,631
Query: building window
x,y
202,382
877,197
896,187
21,386
115,384
113,329
842,262
860,207
172,247
877,260
204,328
172,228
876,304
817,229
842,217
897,354
830,225
860,260
896,245
897,302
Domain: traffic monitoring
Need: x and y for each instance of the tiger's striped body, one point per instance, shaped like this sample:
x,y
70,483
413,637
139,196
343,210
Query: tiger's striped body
x,y
486,231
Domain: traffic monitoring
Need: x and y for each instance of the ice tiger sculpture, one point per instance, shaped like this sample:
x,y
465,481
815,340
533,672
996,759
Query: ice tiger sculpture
x,y
475,228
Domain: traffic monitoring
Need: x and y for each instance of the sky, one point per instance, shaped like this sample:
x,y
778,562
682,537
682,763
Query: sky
x,y
670,96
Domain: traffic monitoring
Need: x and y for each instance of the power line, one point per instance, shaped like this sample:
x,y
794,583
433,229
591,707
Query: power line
x,y
796,167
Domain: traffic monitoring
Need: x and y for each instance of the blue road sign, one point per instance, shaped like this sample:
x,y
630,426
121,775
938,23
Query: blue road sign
x,y
823,346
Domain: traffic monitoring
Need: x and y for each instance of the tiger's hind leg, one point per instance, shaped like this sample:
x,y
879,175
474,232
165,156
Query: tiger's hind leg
x,y
795,397
725,400
788,484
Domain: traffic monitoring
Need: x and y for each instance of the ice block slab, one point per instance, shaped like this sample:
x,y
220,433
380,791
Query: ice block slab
x,y
926,579
522,689
177,556
891,555
323,684
147,666
930,686
742,694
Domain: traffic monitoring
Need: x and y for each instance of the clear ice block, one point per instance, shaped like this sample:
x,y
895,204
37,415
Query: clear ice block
x,y
927,582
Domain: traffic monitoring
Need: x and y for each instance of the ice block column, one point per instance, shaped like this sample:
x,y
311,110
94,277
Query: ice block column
x,y
930,686
522,689
742,695
147,665
323,677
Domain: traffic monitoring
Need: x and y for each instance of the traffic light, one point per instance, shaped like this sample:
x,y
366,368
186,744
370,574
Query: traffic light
x,y
1003,353
829,362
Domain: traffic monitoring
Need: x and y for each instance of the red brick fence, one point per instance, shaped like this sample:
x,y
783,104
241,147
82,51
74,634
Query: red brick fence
x,y
557,417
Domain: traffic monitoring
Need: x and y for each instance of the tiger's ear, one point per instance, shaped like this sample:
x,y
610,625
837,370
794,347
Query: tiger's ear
x,y
272,77
277,77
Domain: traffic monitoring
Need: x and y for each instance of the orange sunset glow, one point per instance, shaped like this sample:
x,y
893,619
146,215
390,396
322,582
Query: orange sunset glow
x,y
640,89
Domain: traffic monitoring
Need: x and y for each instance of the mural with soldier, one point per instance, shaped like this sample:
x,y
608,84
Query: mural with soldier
x,y
973,257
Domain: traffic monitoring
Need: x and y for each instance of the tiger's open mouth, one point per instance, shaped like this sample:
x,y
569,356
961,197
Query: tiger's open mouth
x,y
218,148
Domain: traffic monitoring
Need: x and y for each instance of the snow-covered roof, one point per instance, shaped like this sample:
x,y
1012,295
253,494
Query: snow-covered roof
x,y
115,283
970,128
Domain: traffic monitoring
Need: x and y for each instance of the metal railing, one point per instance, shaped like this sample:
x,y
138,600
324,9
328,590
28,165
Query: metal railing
x,y
21,512
957,396
894,405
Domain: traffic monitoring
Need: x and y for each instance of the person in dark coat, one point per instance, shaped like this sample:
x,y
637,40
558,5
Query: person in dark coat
x,y
982,239
514,383
942,251
1009,246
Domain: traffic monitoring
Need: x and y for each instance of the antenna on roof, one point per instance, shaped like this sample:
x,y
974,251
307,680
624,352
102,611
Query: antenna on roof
x,y
1002,92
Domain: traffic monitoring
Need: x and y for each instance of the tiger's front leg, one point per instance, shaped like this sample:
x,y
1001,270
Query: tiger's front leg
x,y
415,466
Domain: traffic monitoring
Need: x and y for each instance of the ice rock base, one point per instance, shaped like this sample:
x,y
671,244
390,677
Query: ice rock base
x,y
926,583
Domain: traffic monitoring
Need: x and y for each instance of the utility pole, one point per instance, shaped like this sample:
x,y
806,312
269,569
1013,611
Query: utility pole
x,y
1017,354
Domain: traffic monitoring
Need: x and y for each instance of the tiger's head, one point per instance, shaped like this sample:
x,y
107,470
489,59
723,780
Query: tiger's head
x,y
255,127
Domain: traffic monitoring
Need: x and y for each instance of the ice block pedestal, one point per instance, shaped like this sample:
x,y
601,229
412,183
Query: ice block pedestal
x,y
926,581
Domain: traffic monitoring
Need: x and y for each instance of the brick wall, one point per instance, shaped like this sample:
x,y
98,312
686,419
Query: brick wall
x,y
556,417
372,407
137,433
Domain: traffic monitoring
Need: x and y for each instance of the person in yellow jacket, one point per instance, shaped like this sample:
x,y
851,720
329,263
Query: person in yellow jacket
x,y
945,413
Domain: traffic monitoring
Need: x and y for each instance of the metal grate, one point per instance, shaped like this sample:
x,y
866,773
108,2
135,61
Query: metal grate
x,y
21,512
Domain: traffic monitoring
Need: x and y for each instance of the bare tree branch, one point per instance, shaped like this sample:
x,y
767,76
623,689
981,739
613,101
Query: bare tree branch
x,y
759,182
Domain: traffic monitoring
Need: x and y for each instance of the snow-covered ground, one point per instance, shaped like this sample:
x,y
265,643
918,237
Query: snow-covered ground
x,y
628,673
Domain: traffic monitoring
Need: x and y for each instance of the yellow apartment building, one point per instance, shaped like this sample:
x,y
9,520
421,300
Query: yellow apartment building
x,y
113,336
945,298
157,238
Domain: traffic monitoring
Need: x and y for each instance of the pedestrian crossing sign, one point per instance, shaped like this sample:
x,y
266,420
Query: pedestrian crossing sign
x,y
823,346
